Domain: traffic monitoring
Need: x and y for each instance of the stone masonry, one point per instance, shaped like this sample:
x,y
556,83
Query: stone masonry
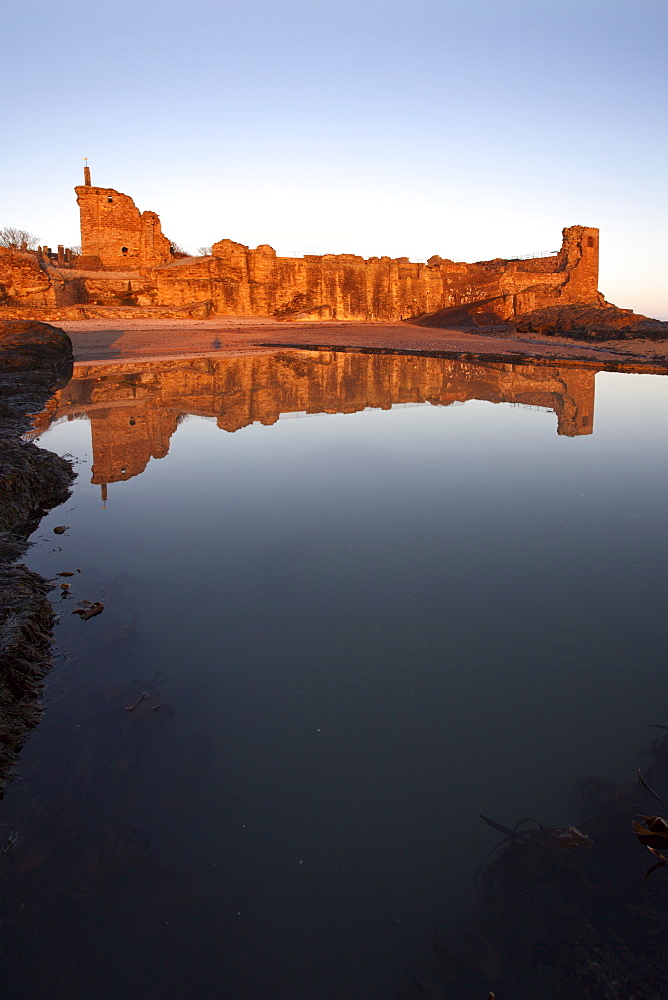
x,y
115,234
236,280
244,282
128,263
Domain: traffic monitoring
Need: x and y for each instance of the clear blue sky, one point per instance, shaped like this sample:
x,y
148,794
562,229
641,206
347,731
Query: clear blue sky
x,y
473,129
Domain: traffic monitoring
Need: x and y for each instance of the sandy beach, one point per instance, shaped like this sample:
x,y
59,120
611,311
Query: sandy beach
x,y
106,340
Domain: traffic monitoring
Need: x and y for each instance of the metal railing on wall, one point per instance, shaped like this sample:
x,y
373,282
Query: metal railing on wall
x,y
536,253
423,260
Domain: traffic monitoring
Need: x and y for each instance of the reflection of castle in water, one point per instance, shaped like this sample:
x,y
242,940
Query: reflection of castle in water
x,y
134,408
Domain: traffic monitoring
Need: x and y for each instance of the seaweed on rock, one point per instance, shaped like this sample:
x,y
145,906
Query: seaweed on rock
x,y
35,359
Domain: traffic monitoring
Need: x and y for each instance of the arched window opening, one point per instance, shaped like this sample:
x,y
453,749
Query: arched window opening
x,y
590,241
124,251
109,198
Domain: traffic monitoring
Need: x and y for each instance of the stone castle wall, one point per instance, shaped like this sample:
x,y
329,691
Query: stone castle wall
x,y
244,282
23,279
127,261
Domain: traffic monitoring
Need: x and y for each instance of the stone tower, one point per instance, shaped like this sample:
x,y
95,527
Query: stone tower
x,y
580,258
115,234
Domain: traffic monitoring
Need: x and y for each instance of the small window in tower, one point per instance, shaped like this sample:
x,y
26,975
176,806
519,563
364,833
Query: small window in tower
x,y
590,241
124,251
110,198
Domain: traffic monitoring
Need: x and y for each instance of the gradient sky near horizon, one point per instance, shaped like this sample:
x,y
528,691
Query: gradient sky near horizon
x,y
470,130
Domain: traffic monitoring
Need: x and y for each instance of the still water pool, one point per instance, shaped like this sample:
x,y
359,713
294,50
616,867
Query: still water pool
x,y
350,603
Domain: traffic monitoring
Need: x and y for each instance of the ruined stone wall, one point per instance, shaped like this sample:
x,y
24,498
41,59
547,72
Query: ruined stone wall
x,y
113,288
244,282
23,280
127,262
115,232
134,415
28,282
236,280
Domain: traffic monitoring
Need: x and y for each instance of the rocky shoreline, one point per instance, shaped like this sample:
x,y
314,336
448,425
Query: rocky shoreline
x,y
590,322
36,359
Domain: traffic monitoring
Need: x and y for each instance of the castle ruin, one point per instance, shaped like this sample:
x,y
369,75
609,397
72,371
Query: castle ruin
x,y
128,267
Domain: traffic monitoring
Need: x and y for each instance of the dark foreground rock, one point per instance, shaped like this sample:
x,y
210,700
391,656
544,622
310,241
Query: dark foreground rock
x,y
35,359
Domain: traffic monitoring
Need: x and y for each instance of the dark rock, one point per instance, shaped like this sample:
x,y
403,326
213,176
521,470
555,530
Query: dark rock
x,y
588,322
35,359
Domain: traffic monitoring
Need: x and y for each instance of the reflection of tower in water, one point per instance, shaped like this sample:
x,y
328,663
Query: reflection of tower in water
x,y
126,437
